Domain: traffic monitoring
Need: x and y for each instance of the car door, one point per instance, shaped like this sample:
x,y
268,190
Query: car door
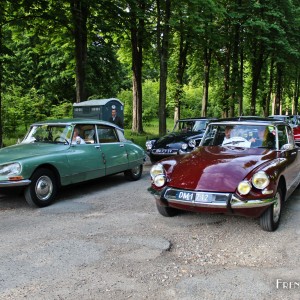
x,y
285,136
86,159
113,150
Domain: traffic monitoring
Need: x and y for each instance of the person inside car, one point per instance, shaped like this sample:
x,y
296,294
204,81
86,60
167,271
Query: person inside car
x,y
227,137
264,138
76,137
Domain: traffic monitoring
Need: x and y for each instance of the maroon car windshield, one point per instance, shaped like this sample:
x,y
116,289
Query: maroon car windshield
x,y
242,135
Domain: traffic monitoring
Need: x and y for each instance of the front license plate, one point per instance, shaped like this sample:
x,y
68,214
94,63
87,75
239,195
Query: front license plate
x,y
195,197
164,151
204,197
185,196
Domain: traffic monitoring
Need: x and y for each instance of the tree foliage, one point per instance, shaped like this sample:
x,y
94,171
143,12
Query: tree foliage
x,y
161,58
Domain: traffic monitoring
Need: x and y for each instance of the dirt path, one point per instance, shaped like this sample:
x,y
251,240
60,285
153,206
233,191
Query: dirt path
x,y
105,240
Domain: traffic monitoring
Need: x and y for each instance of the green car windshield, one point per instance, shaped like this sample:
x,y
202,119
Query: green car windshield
x,y
49,133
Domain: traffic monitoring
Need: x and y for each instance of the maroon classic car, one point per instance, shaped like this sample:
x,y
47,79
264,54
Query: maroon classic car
x,y
246,167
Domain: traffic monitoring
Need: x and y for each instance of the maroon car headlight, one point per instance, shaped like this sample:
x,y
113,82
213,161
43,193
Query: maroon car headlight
x,y
159,180
260,180
156,169
244,187
157,174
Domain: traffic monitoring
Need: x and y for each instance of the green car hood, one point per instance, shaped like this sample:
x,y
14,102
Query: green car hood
x,y
21,151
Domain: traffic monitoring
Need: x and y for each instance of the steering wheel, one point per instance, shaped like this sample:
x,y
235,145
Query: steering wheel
x,y
61,139
236,140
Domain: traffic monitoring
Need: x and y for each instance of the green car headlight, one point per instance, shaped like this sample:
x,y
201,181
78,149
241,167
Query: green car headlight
x,y
244,187
260,180
10,169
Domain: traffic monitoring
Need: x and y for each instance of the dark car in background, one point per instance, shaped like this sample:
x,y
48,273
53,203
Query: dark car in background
x,y
284,118
294,122
186,135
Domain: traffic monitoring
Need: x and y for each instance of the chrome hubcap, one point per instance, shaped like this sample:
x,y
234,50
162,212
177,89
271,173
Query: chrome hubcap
x,y
136,170
44,188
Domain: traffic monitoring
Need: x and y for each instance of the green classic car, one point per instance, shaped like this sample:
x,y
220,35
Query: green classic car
x,y
62,152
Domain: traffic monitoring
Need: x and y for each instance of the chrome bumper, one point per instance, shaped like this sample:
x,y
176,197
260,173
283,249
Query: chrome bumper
x,y
225,200
7,184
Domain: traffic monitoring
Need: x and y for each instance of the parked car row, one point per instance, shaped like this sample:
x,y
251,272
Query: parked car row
x,y
187,134
245,166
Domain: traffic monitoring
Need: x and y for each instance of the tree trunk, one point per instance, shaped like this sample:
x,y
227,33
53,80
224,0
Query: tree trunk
x,y
137,125
235,74
137,31
182,62
256,68
163,49
269,95
1,78
278,90
241,83
226,80
80,12
296,95
207,63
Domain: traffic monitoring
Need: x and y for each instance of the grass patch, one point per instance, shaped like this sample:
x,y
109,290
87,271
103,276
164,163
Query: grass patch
x,y
151,130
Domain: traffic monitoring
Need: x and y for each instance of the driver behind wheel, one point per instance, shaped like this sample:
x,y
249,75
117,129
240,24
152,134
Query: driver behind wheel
x,y
227,137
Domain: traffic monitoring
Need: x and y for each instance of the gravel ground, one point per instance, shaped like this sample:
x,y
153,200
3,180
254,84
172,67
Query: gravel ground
x,y
105,240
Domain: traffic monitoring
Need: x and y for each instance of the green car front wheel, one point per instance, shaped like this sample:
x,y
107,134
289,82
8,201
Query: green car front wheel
x,y
43,188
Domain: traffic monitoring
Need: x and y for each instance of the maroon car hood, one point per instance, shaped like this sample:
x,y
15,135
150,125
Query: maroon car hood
x,y
216,168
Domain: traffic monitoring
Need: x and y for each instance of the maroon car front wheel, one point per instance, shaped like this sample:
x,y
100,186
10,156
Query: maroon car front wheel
x,y
167,211
269,220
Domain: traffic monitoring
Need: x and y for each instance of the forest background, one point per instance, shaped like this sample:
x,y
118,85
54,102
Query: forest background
x,y
162,58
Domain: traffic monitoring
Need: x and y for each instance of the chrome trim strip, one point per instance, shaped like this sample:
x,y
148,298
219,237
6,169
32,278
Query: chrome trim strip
x,y
15,183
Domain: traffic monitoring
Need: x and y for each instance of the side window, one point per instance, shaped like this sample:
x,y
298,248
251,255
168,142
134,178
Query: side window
x,y
121,136
290,136
107,134
213,137
87,133
282,136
